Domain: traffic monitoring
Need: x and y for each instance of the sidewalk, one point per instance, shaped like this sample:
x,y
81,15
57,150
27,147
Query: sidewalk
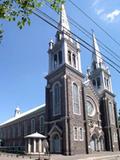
x,y
98,156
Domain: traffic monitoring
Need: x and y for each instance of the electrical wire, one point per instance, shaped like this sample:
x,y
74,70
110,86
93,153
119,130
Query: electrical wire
x,y
94,22
56,27
90,36
79,38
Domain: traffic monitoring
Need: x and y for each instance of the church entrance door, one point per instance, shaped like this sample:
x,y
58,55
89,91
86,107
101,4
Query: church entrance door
x,y
93,143
56,144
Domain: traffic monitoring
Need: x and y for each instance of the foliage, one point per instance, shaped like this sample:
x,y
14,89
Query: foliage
x,y
20,10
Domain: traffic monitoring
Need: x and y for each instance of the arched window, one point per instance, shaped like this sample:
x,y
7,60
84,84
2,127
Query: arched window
x,y
76,108
93,143
101,141
41,123
56,99
94,65
69,57
94,82
81,134
19,129
74,60
13,131
111,113
108,83
60,57
55,60
75,133
115,137
98,82
32,125
25,127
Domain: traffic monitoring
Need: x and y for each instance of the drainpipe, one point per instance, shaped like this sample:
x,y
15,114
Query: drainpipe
x,y
85,117
67,134
108,124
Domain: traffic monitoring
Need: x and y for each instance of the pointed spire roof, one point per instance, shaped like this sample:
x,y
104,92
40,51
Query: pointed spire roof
x,y
63,24
96,56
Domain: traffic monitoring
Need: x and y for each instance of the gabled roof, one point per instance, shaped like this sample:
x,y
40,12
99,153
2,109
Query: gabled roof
x,y
22,115
35,135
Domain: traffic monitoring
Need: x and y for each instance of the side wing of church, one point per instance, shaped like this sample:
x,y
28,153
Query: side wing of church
x,y
80,114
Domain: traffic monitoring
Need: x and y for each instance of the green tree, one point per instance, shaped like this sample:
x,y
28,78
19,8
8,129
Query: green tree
x,y
20,10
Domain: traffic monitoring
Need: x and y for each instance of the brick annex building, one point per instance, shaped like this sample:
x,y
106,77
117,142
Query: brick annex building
x,y
80,112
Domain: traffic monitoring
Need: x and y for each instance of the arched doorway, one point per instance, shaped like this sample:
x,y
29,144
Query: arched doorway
x,y
101,142
56,143
94,143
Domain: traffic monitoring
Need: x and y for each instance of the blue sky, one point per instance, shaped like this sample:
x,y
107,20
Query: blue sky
x,y
24,58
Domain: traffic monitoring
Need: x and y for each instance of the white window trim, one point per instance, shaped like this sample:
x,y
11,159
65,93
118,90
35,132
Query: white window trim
x,y
78,99
40,123
53,96
112,121
75,139
82,134
32,128
115,136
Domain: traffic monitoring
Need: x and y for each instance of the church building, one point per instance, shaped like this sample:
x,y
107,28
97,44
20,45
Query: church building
x,y
80,114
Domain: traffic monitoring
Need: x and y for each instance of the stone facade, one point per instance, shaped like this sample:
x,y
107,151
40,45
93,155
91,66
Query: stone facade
x,y
80,113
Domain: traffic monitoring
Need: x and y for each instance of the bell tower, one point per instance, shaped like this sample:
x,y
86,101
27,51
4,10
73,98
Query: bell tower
x,y
64,101
64,50
100,73
101,79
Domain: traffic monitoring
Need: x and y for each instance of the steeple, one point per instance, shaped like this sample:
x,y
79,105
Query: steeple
x,y
97,60
63,24
100,73
65,50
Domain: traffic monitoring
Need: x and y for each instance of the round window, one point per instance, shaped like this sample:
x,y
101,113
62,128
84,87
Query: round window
x,y
90,109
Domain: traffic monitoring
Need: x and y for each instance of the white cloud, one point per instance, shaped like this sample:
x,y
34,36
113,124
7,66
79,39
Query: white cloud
x,y
95,3
99,11
111,16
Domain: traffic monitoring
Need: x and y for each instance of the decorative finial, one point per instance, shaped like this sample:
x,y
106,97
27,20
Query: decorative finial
x,y
51,43
17,111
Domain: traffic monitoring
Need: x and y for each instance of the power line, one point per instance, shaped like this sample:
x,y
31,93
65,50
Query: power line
x,y
87,33
94,22
101,44
51,24
79,38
